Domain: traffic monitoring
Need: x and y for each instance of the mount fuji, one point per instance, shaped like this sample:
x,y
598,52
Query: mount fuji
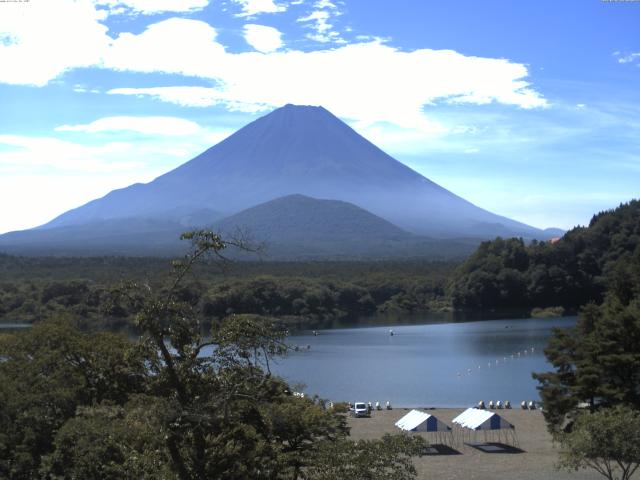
x,y
291,152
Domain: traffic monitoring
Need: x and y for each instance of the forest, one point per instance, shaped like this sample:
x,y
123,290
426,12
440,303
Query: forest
x,y
571,272
97,404
503,274
309,294
101,405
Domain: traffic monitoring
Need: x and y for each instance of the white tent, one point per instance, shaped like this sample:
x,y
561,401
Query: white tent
x,y
495,428
417,421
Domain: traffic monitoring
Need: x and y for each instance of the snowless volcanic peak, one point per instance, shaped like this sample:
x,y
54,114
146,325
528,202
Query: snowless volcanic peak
x,y
299,150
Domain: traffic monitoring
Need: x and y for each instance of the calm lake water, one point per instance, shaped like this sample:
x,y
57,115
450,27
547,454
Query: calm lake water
x,y
427,364
433,365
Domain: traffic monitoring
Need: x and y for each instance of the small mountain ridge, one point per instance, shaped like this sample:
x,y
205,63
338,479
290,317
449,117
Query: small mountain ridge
x,y
301,227
299,217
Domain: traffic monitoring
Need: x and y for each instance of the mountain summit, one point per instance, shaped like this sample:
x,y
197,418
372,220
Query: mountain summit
x,y
296,150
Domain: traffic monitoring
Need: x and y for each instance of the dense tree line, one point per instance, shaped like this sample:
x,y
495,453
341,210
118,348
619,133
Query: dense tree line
x,y
101,406
598,361
591,398
570,272
304,300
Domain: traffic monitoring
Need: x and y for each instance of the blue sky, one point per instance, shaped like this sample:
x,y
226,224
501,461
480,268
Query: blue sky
x,y
530,109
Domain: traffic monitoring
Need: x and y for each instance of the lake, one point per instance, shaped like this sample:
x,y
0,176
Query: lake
x,y
429,363
433,364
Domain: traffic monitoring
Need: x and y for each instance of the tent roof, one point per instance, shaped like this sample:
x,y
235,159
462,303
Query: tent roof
x,y
416,420
476,419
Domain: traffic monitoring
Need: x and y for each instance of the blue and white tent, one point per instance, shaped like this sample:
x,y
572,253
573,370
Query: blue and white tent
x,y
495,428
417,421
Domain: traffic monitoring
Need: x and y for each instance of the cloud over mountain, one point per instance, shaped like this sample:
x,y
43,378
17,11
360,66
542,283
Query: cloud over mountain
x,y
370,81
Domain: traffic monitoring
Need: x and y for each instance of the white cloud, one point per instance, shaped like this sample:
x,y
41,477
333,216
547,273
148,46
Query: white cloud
x,y
23,153
629,58
318,21
146,125
62,194
148,7
183,96
40,42
317,16
320,4
69,174
262,38
175,45
254,7
366,82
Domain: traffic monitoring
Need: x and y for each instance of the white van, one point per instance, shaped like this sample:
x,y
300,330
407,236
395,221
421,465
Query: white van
x,y
360,409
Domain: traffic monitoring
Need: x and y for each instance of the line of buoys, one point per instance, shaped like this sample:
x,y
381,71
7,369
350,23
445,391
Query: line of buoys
x,y
497,362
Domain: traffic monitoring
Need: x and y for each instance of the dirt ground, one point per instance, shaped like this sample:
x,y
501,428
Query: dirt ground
x,y
534,459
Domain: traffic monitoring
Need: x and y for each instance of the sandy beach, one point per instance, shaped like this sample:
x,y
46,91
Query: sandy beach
x,y
534,460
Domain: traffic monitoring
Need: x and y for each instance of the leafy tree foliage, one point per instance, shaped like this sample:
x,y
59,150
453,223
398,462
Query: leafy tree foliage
x,y
313,297
46,373
575,270
385,459
175,403
607,441
598,361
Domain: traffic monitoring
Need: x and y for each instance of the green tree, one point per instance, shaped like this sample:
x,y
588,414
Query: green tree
x,y
607,441
110,442
178,402
386,459
46,373
598,361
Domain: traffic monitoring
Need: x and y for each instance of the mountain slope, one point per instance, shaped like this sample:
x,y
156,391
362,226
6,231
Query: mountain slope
x,y
147,236
301,227
307,150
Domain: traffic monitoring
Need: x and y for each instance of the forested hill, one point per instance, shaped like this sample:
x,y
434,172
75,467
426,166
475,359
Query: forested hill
x,y
575,270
